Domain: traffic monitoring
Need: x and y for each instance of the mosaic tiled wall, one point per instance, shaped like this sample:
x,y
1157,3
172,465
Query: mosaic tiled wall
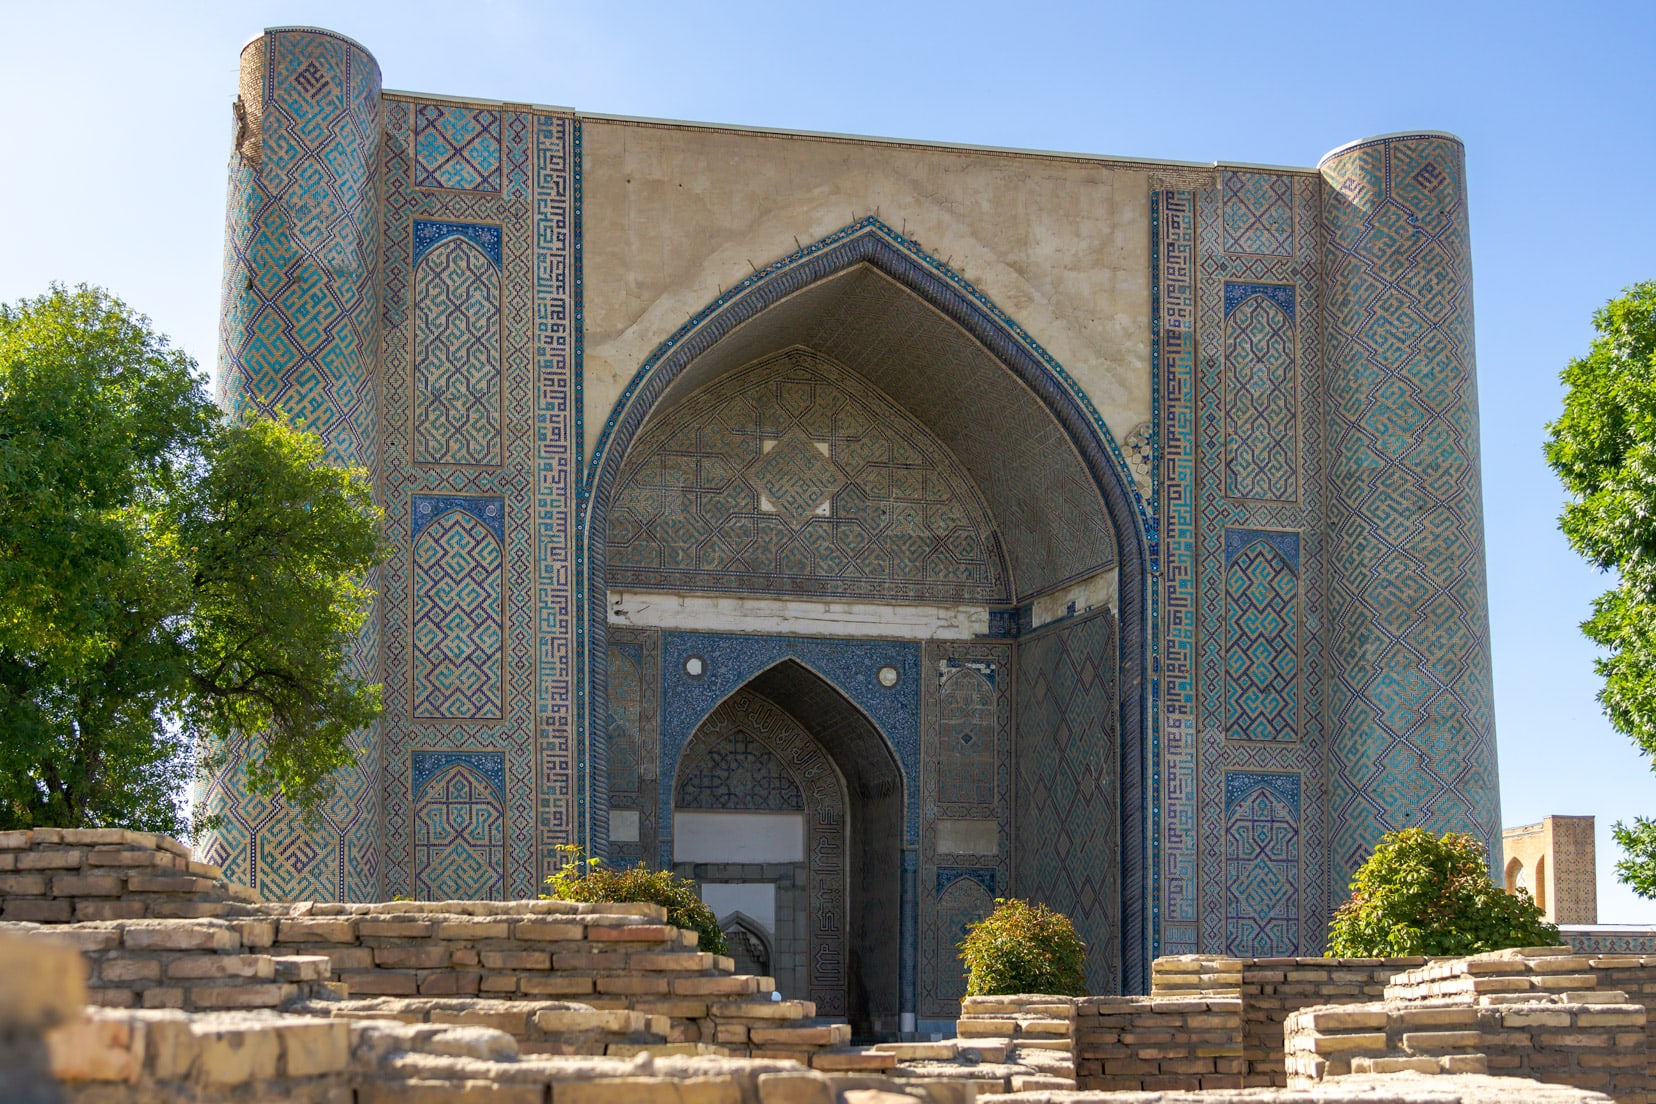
x,y
634,737
297,337
966,775
1262,863
459,800
1413,741
1238,268
1068,764
478,448
793,476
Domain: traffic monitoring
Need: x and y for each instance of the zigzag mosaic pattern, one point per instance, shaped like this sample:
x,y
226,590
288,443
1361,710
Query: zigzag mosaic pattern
x,y
1261,393
457,377
1226,527
1069,788
1262,907
795,477
634,686
457,148
1410,699
1259,214
297,333
459,825
1261,643
499,225
459,609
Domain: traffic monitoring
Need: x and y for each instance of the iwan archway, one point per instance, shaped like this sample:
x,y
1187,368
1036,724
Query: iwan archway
x,y
855,461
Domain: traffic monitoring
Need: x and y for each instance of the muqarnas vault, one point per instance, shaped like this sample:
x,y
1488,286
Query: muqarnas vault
x,y
872,528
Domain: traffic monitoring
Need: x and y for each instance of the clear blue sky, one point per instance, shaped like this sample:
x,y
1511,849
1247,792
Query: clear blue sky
x,y
117,123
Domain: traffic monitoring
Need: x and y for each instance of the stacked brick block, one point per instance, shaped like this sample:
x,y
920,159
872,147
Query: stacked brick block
x,y
1274,988
1159,1044
192,964
607,957
1591,1046
57,876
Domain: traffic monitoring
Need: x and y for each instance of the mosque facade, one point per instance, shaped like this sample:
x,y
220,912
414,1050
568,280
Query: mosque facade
x,y
871,529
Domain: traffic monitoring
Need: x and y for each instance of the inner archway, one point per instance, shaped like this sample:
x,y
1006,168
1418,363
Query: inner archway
x,y
787,809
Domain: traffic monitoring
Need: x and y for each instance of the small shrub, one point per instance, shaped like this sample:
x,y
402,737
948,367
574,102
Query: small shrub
x,y
1024,948
1420,894
584,879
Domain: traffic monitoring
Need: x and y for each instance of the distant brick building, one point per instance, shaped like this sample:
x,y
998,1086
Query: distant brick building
x,y
1556,861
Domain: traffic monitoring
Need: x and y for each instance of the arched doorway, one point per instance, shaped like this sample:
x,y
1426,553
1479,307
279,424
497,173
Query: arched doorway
x,y
787,809
1048,527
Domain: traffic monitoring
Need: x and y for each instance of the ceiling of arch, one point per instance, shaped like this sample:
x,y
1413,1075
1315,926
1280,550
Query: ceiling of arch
x,y
1049,516
793,476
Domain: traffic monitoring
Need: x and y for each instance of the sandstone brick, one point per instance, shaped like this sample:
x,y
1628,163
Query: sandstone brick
x,y
631,933
381,983
23,885
126,968
234,1055
98,1049
451,983
554,986
238,996
95,910
15,840
302,967
1335,1044
157,935
1440,1040
794,1088
86,885
421,956
737,984
163,996
310,1047
543,931
471,928
517,960
221,966
37,910
51,860
399,929
633,985
316,931
691,962
512,1021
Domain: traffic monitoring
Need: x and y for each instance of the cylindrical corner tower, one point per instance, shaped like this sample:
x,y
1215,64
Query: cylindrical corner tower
x,y
297,340
1410,699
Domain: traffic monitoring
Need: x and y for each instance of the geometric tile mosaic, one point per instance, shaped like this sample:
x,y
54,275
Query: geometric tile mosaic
x,y
1262,842
459,608
459,801
793,476
1259,213
457,148
457,383
1261,393
1410,699
297,336
1261,639
1068,783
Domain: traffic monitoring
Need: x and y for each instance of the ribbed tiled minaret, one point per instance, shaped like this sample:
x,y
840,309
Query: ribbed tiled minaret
x,y
297,341
1410,697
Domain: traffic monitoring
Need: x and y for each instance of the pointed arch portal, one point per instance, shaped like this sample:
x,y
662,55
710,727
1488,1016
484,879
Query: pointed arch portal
x,y
1064,509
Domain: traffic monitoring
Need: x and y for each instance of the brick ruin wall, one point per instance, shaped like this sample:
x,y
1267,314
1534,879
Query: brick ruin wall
x,y
164,937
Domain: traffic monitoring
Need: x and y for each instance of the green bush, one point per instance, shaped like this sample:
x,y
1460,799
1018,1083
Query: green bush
x,y
1023,948
1420,894
584,879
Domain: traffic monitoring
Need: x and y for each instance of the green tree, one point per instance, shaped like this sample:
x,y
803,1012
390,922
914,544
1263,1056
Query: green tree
x,y
1421,894
1023,948
1603,448
169,583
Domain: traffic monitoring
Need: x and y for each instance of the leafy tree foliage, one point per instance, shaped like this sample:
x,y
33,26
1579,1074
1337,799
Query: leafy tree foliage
x,y
1604,450
584,879
1421,894
167,580
1024,948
